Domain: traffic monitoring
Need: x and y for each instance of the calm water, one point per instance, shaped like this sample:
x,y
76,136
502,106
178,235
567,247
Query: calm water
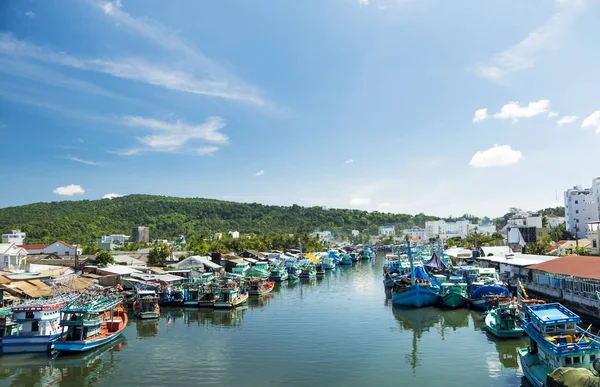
x,y
336,331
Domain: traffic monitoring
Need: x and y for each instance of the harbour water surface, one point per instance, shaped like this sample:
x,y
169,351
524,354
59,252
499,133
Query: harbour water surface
x,y
340,330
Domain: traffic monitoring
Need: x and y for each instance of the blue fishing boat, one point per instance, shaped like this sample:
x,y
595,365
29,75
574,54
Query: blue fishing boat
x,y
260,269
416,290
170,296
91,321
38,325
278,274
353,256
329,261
555,341
345,259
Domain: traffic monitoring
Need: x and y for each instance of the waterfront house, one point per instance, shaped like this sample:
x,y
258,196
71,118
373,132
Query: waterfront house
x,y
571,280
513,266
12,257
56,248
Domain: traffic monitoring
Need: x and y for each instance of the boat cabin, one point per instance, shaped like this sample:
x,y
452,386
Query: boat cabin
x,y
241,269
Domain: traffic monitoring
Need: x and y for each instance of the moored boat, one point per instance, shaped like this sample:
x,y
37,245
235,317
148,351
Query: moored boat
x,y
208,295
145,306
260,269
38,325
259,286
91,321
230,295
416,290
453,293
278,274
555,341
502,321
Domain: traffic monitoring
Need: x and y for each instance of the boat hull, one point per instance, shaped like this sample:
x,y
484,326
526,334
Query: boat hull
x,y
86,345
527,371
231,304
28,344
416,296
147,315
454,300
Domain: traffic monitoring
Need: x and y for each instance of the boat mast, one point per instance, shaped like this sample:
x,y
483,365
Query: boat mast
x,y
412,265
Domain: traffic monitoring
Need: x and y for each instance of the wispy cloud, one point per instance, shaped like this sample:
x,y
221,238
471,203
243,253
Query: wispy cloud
x,y
359,202
592,121
69,190
176,136
524,55
30,14
82,161
135,70
552,114
496,156
259,173
349,161
514,111
566,120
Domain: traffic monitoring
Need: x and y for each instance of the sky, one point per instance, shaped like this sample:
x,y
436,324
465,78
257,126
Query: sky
x,y
433,106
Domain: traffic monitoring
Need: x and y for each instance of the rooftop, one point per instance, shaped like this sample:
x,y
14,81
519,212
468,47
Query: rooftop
x,y
573,265
518,259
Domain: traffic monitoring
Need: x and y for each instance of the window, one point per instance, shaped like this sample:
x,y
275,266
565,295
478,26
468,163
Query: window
x,y
577,211
576,201
66,253
568,360
28,314
35,326
576,360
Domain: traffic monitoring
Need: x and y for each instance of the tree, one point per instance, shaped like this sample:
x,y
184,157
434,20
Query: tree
x,y
158,254
90,249
580,250
103,258
498,237
559,233
540,247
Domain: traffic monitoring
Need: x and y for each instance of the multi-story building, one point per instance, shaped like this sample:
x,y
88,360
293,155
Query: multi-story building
x,y
140,234
485,228
118,240
15,236
582,206
387,230
415,233
233,234
555,221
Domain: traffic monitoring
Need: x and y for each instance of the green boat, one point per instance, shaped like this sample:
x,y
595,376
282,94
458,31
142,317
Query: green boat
x,y
502,321
453,293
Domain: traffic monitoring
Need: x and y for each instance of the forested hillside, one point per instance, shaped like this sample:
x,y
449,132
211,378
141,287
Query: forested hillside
x,y
85,221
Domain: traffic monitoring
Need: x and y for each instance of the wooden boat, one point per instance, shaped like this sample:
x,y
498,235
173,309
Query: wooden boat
x,y
278,274
170,296
416,290
260,269
91,321
230,295
241,269
145,305
555,341
208,296
191,292
259,286
345,260
487,284
8,326
38,325
308,271
502,321
453,293
320,269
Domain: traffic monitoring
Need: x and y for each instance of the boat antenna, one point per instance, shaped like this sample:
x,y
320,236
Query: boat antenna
x,y
412,265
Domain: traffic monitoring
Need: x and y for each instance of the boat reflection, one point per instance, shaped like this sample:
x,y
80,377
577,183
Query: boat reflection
x,y
417,321
72,370
219,317
260,301
146,328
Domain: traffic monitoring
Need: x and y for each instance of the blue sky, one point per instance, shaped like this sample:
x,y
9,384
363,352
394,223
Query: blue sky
x,y
402,106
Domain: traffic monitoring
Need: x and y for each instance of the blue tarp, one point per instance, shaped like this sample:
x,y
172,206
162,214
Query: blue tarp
x,y
486,290
421,274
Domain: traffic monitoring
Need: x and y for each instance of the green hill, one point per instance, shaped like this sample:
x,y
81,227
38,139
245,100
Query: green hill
x,y
86,220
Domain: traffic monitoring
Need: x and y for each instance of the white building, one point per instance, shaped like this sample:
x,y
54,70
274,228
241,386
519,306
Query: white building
x,y
582,206
446,230
12,257
526,221
118,240
387,230
355,232
324,236
593,234
233,234
15,236
554,221
57,248
415,232
485,228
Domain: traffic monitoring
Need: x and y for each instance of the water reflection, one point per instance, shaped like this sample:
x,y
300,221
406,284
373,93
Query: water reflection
x,y
62,370
417,321
146,328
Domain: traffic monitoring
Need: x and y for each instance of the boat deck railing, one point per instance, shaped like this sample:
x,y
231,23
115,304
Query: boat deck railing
x,y
586,342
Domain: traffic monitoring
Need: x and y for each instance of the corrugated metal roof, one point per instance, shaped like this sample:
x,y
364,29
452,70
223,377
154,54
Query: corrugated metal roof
x,y
573,265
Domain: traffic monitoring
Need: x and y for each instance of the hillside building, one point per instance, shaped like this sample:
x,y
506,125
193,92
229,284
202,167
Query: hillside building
x,y
387,230
140,234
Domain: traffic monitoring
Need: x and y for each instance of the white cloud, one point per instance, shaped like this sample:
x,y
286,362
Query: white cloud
x,y
592,121
349,161
524,55
363,2
357,202
496,156
514,111
69,190
259,173
480,115
207,150
566,120
214,84
552,114
384,205
30,14
111,196
82,161
176,136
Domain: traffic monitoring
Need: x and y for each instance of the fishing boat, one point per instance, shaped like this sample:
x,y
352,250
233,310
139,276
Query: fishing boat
x,y
320,269
353,256
292,268
260,269
487,284
502,321
8,326
259,286
208,295
345,260
230,295
241,269
555,340
91,321
191,292
416,290
278,274
145,306
307,270
329,260
170,296
453,292
38,325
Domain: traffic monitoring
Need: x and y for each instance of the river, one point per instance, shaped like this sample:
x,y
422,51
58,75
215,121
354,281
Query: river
x,y
340,330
